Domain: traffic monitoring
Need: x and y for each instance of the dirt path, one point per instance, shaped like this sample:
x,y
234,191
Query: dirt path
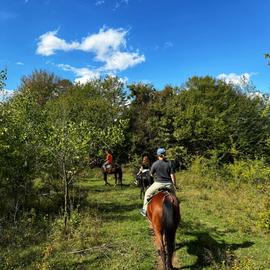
x,y
159,264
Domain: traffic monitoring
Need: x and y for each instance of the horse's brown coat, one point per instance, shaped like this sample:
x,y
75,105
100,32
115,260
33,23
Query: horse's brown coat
x,y
164,227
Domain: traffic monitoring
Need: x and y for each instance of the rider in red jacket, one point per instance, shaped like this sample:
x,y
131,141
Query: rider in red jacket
x,y
109,159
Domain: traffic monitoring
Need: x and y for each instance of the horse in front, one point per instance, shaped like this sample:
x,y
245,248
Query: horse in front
x,y
163,212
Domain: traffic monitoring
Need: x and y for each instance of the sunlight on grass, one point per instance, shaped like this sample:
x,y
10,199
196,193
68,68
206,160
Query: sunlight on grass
x,y
220,229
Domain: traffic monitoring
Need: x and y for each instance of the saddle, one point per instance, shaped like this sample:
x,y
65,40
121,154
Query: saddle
x,y
111,168
165,190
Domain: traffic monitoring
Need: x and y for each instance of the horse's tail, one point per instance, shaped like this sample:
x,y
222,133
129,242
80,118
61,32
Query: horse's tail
x,y
170,222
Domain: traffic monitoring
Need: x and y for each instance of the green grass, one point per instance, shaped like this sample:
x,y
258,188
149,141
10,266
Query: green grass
x,y
222,228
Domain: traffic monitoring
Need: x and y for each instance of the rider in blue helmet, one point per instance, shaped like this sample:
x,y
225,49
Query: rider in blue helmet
x,y
164,177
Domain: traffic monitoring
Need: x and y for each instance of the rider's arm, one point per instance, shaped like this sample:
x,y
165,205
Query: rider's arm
x,y
141,168
152,170
173,178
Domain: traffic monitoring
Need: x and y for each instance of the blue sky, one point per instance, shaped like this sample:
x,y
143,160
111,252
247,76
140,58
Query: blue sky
x,y
159,42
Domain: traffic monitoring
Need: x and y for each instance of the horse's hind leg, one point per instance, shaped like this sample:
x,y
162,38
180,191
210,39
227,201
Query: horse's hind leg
x,y
105,179
160,246
116,179
142,189
120,177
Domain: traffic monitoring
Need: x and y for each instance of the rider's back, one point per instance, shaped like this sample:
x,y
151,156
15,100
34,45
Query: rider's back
x,y
163,170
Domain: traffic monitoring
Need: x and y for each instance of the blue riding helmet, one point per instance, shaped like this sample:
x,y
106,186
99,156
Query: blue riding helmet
x,y
161,152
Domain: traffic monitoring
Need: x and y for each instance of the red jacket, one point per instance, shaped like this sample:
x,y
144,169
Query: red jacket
x,y
109,159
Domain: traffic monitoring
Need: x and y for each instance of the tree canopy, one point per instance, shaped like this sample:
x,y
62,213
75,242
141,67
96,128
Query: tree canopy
x,y
51,129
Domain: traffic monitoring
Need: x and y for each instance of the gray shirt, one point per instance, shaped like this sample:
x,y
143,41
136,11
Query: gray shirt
x,y
162,169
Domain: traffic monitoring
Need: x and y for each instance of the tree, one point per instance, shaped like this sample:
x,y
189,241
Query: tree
x,y
84,118
19,147
143,118
43,86
210,114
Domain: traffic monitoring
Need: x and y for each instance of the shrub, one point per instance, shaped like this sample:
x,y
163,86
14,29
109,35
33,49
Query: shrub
x,y
247,171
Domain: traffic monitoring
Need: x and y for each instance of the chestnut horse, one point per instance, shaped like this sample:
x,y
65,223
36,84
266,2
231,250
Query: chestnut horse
x,y
163,212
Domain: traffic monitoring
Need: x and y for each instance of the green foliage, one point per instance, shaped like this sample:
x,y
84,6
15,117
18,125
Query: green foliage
x,y
221,229
210,114
248,171
143,118
47,129
3,77
203,116
179,153
19,148
43,86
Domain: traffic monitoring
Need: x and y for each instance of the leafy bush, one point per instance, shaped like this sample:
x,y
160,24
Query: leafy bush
x,y
180,154
206,166
248,171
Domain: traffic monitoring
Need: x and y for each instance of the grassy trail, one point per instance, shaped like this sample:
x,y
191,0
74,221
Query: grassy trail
x,y
220,229
217,230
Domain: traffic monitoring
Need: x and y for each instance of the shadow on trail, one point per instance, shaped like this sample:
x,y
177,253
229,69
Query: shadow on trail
x,y
115,211
91,185
208,250
105,207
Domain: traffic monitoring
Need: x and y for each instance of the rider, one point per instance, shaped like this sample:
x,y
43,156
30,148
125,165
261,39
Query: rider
x,y
109,159
146,164
145,167
165,177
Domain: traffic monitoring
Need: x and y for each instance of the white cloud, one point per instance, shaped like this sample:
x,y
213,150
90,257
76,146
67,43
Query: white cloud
x,y
108,47
19,63
101,44
83,74
49,43
237,79
104,43
123,60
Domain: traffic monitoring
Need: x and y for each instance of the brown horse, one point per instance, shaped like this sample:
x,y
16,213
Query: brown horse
x,y
113,169
163,212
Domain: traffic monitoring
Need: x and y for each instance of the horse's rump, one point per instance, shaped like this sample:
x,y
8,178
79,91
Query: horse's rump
x,y
163,212
160,200
111,168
